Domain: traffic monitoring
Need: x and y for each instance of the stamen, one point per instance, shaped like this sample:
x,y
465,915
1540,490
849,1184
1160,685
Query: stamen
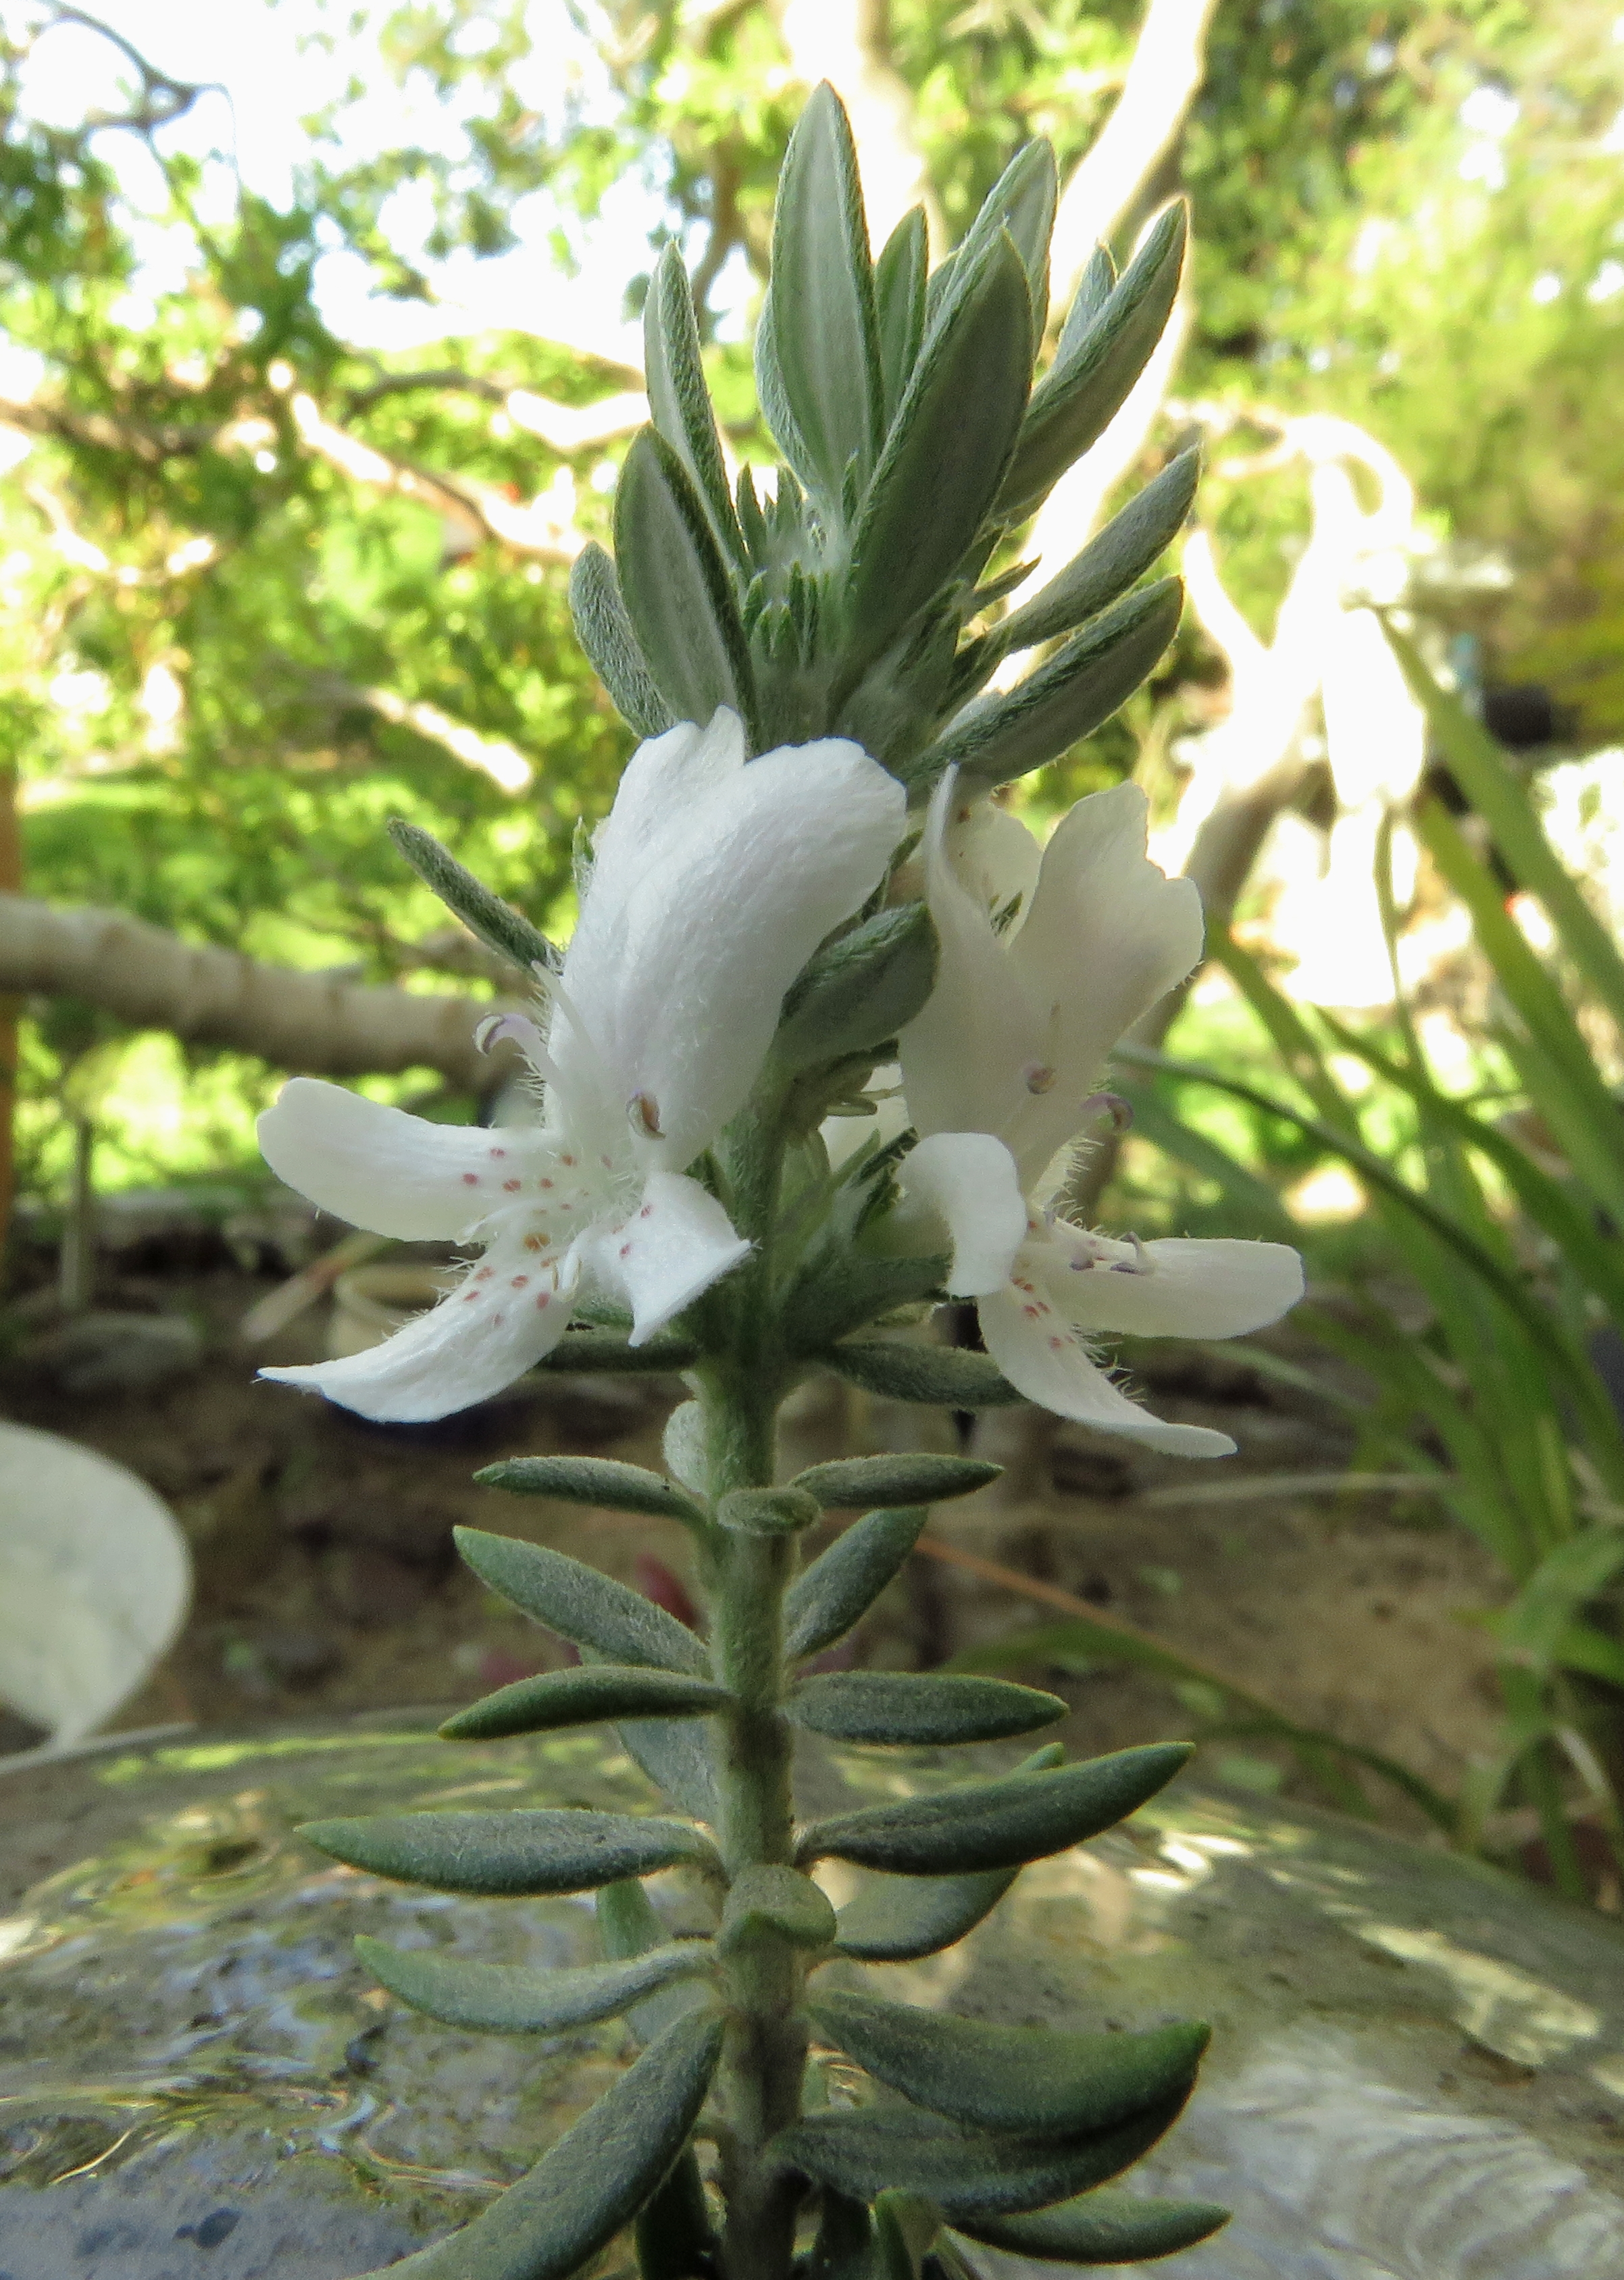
x,y
514,1029
643,1111
1141,1263
1037,1076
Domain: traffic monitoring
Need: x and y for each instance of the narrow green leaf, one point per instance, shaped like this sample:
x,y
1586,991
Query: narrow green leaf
x,y
940,1374
899,1919
1582,1647
900,305
594,2180
605,632
1479,768
581,1697
678,400
843,1584
1022,202
1062,700
513,2000
1560,1588
1103,2227
581,1350
1095,287
866,2150
1104,1641
628,1927
1087,383
594,1481
840,1289
849,1483
771,1902
1109,564
823,301
524,1852
673,2235
675,1754
676,587
582,1606
768,1512
997,1824
925,1710
945,457
845,2244
775,402
1028,2079
495,923
861,990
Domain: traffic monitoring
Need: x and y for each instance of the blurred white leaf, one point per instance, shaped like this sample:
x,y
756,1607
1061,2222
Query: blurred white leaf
x,y
95,1582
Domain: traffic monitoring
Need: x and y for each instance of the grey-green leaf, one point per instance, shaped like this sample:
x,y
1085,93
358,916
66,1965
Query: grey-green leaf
x,y
1028,2079
1110,2227
678,397
605,632
778,1902
594,1481
850,1484
497,924
521,1854
674,2234
675,1754
1021,201
1086,385
866,2150
594,2180
628,1927
843,1584
580,1697
945,457
676,587
997,1824
900,305
924,1711
823,304
506,1998
943,1376
1109,564
899,1919
1094,290
1063,700
582,1606
861,990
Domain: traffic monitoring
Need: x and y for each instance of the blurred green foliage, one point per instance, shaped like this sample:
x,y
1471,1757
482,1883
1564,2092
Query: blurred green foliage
x,y
1403,212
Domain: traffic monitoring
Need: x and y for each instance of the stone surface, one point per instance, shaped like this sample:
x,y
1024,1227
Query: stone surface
x,y
1417,2070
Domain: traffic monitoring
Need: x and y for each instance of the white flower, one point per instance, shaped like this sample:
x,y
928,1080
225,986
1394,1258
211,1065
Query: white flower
x,y
1044,963
713,883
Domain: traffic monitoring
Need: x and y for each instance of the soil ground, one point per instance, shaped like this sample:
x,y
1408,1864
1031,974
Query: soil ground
x,y
326,1579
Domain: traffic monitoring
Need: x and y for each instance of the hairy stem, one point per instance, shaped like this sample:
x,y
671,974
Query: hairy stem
x,y
764,2056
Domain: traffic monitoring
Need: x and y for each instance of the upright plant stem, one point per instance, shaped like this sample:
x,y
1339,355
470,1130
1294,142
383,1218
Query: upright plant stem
x,y
764,2056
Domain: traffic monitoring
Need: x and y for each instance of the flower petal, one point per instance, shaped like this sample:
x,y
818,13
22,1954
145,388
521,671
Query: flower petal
x,y
1040,1353
676,1244
1107,933
498,1322
1179,1288
697,920
969,1180
397,1174
964,1055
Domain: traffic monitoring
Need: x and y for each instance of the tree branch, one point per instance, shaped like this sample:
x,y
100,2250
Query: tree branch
x,y
211,996
1162,82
